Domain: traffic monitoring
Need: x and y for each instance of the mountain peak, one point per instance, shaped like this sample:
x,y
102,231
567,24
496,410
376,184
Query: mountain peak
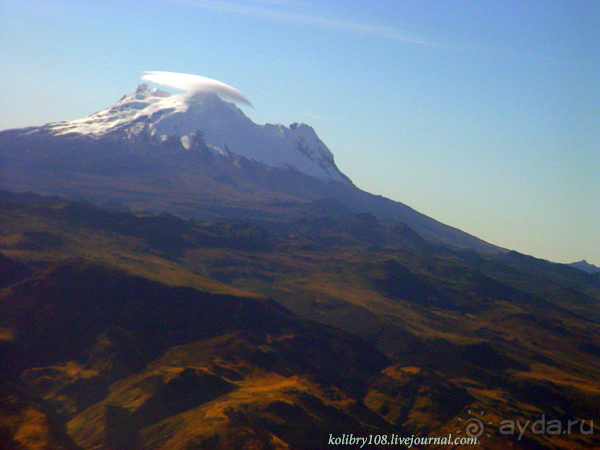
x,y
142,93
142,88
585,266
150,113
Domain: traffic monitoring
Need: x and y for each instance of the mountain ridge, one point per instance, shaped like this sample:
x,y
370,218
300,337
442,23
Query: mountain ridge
x,y
186,154
127,330
585,266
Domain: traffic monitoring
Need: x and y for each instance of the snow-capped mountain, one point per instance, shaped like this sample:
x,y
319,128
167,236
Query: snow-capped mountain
x,y
149,113
197,156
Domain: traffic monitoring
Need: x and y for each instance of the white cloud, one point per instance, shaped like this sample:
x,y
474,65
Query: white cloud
x,y
317,117
278,15
273,10
196,83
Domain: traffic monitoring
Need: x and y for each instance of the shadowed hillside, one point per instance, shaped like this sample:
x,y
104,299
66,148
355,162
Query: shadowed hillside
x,y
130,331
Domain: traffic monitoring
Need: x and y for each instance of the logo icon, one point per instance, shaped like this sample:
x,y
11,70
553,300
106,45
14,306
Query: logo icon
x,y
474,426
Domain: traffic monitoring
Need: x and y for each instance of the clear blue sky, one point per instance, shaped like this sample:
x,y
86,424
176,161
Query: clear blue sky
x,y
483,115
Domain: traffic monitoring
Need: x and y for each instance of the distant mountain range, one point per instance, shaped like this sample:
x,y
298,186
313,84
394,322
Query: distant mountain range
x,y
585,266
195,155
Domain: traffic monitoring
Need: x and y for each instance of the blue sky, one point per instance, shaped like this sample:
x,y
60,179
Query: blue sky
x,y
483,115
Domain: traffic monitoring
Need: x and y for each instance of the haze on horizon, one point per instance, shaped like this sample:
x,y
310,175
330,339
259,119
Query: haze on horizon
x,y
485,117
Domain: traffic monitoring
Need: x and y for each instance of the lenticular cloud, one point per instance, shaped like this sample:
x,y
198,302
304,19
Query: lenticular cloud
x,y
196,83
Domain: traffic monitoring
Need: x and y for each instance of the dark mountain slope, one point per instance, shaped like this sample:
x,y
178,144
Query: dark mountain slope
x,y
103,350
58,314
83,338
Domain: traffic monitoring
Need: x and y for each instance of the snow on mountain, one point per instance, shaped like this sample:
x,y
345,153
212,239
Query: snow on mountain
x,y
153,113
